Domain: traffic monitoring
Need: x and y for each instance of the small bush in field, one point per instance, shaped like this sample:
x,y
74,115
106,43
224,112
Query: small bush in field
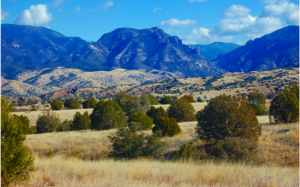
x,y
107,115
284,108
166,100
56,105
142,118
156,113
47,122
259,109
187,152
257,98
189,98
234,149
89,103
181,110
167,126
72,103
81,121
128,144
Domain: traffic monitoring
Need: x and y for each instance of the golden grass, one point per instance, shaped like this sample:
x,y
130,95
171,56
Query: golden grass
x,y
58,171
72,163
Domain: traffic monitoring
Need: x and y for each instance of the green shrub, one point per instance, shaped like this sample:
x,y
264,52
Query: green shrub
x,y
233,149
81,121
189,98
257,98
16,161
145,121
200,100
66,125
151,98
227,116
284,108
166,100
181,110
56,105
72,103
167,126
89,103
127,144
187,152
47,122
131,104
259,109
156,113
107,115
24,122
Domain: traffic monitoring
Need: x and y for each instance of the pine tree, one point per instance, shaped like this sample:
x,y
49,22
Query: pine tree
x,y
181,110
167,126
16,161
81,121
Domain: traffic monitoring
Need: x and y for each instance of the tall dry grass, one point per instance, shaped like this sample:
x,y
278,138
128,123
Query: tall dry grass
x,y
58,171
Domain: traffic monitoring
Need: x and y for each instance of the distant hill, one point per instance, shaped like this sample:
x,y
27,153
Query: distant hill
x,y
271,51
213,50
28,47
135,49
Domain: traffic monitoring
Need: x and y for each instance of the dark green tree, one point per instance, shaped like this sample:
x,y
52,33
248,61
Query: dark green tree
x,y
16,161
166,100
142,118
89,103
81,121
227,116
187,152
156,113
72,103
257,98
107,115
200,100
181,110
56,105
284,108
47,122
128,144
167,126
153,100
189,98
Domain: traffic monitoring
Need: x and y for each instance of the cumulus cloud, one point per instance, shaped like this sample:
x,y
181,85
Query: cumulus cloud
x,y
156,9
289,11
247,26
191,1
4,14
203,36
77,9
177,23
235,10
35,15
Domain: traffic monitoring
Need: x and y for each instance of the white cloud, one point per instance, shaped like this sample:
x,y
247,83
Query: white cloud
x,y
4,14
289,11
156,9
56,3
177,23
77,9
35,15
108,4
247,26
191,1
203,36
235,10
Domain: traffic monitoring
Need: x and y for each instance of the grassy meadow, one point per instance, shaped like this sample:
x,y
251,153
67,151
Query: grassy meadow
x,y
80,159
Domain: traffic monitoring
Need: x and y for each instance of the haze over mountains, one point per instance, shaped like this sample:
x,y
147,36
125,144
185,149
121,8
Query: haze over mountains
x,y
35,48
213,50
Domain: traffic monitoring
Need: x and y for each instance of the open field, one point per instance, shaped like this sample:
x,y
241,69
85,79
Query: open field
x,y
74,150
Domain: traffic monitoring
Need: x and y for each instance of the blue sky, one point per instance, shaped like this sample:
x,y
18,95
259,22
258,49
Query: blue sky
x,y
194,21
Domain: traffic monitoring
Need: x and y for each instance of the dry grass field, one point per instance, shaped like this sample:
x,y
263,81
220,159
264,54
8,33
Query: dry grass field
x,y
80,160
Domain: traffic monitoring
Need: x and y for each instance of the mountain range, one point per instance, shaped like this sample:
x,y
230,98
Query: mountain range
x,y
271,51
29,48
213,50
